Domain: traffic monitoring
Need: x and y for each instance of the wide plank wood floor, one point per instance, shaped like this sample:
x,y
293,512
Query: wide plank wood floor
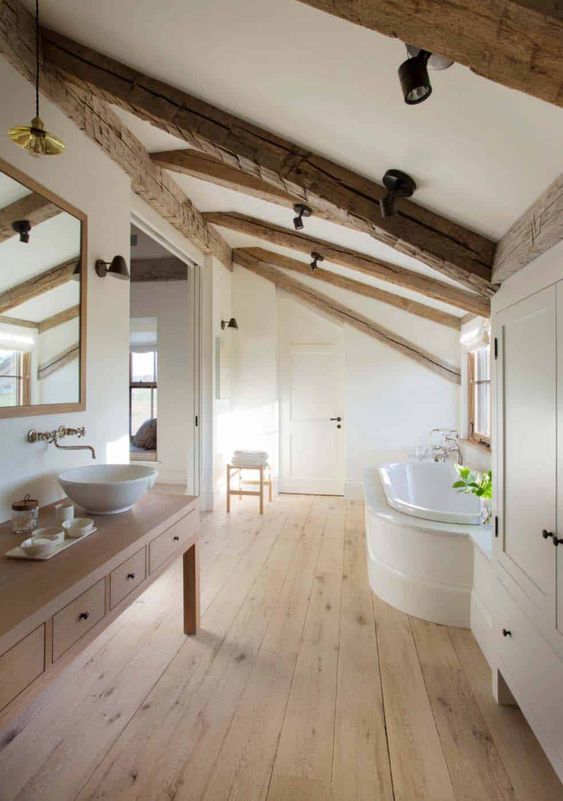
x,y
301,686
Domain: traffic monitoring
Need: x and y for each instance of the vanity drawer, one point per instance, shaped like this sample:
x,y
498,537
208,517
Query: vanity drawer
x,y
72,622
175,539
21,664
126,577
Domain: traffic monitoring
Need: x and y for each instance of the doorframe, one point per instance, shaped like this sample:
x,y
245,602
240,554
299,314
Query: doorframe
x,y
199,445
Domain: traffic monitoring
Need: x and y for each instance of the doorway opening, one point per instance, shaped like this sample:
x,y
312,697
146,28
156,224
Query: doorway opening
x,y
164,360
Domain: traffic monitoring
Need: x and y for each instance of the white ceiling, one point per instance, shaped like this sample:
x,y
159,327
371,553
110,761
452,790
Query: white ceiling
x,y
480,153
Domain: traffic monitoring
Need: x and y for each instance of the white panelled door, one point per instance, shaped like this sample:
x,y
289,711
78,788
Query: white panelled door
x,y
312,419
527,438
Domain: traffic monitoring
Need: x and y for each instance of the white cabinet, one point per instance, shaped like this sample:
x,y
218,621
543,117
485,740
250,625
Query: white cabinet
x,y
528,604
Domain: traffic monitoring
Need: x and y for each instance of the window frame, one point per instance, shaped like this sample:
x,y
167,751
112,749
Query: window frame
x,y
152,385
22,376
472,435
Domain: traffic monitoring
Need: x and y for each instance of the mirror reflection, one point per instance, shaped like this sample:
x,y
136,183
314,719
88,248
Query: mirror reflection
x,y
40,297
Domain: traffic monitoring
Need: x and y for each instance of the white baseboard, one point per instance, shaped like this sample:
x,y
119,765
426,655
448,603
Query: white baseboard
x,y
353,491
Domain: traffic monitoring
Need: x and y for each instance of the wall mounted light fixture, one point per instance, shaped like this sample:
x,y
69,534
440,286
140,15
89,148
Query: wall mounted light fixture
x,y
22,227
301,211
232,323
398,184
116,267
316,258
413,73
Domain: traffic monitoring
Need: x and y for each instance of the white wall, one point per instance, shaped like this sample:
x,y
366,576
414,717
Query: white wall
x,y
168,302
391,401
222,407
88,179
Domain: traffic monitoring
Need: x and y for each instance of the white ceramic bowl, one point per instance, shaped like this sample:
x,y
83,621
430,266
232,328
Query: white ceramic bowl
x,y
78,527
53,533
107,489
37,546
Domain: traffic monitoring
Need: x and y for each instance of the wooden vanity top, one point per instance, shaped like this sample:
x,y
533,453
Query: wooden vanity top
x,y
31,590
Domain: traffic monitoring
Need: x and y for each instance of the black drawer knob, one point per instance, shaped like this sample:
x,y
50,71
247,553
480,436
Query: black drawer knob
x,y
130,575
176,538
506,633
84,615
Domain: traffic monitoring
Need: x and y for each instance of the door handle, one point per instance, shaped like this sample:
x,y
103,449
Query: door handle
x,y
336,419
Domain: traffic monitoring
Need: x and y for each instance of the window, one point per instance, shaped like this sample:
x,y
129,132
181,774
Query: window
x,y
142,389
14,378
479,394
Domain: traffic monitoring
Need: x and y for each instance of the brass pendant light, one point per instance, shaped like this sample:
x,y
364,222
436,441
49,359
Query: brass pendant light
x,y
34,138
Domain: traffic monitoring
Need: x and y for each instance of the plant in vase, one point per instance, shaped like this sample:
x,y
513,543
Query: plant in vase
x,y
472,482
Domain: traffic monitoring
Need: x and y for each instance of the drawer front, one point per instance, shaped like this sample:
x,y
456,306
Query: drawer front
x,y
21,664
72,622
126,577
174,540
533,669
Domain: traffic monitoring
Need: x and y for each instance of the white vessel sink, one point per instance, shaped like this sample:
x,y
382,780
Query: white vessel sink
x,y
109,488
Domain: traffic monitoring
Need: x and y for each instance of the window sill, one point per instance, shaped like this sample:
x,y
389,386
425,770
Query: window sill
x,y
477,444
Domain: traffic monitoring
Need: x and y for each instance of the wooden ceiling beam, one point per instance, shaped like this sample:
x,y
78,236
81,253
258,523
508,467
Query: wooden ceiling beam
x,y
346,315
359,287
18,322
211,169
352,259
32,207
94,117
169,269
333,191
37,285
58,319
59,360
537,230
516,43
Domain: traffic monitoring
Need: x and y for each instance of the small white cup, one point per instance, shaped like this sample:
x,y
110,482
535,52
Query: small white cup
x,y
78,528
64,511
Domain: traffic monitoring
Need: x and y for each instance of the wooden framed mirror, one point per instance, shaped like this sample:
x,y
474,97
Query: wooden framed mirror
x,y
43,278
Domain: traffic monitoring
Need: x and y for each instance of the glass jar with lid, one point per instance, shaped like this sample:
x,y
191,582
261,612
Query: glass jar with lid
x,y
25,515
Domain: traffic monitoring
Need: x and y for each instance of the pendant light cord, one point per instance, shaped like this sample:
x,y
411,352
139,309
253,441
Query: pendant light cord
x,y
36,58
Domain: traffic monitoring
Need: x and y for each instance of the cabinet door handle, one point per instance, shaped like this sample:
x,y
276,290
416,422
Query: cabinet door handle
x,y
506,633
84,615
130,575
336,419
176,538
556,541
545,533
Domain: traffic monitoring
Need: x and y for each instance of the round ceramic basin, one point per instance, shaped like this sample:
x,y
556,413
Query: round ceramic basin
x,y
107,489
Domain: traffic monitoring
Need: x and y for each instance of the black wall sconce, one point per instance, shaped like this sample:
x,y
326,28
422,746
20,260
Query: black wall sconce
x,y
302,211
232,323
413,74
316,258
116,267
22,227
398,184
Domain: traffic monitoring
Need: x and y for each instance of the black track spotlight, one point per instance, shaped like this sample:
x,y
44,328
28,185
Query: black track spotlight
x,y
413,73
22,227
316,258
398,184
301,211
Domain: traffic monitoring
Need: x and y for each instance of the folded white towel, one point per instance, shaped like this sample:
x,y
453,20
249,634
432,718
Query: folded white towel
x,y
260,454
240,462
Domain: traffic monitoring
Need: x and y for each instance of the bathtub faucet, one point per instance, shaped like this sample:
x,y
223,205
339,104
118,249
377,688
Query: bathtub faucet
x,y
450,444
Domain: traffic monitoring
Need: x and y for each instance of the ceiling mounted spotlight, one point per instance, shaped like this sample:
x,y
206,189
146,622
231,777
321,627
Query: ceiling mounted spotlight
x,y
22,227
316,258
398,184
413,73
302,211
116,267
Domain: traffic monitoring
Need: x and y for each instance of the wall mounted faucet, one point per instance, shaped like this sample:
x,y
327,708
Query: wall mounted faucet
x,y
59,433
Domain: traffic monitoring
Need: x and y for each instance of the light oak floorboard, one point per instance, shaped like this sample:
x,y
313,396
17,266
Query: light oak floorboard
x,y
300,686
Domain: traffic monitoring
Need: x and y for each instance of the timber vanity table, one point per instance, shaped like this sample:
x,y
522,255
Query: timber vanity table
x,y
50,610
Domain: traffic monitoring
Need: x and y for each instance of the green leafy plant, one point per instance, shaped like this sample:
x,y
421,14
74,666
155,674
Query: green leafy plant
x,y
472,482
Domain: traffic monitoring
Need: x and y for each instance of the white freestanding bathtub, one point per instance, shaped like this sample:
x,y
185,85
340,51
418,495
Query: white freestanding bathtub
x,y
427,553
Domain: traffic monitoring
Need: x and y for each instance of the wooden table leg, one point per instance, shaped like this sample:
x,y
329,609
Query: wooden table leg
x,y
270,483
261,490
191,590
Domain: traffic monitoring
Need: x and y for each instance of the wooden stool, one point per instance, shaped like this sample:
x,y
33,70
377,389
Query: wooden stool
x,y
262,482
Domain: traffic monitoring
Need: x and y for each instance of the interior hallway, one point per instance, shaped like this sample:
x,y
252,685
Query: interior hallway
x,y
301,686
